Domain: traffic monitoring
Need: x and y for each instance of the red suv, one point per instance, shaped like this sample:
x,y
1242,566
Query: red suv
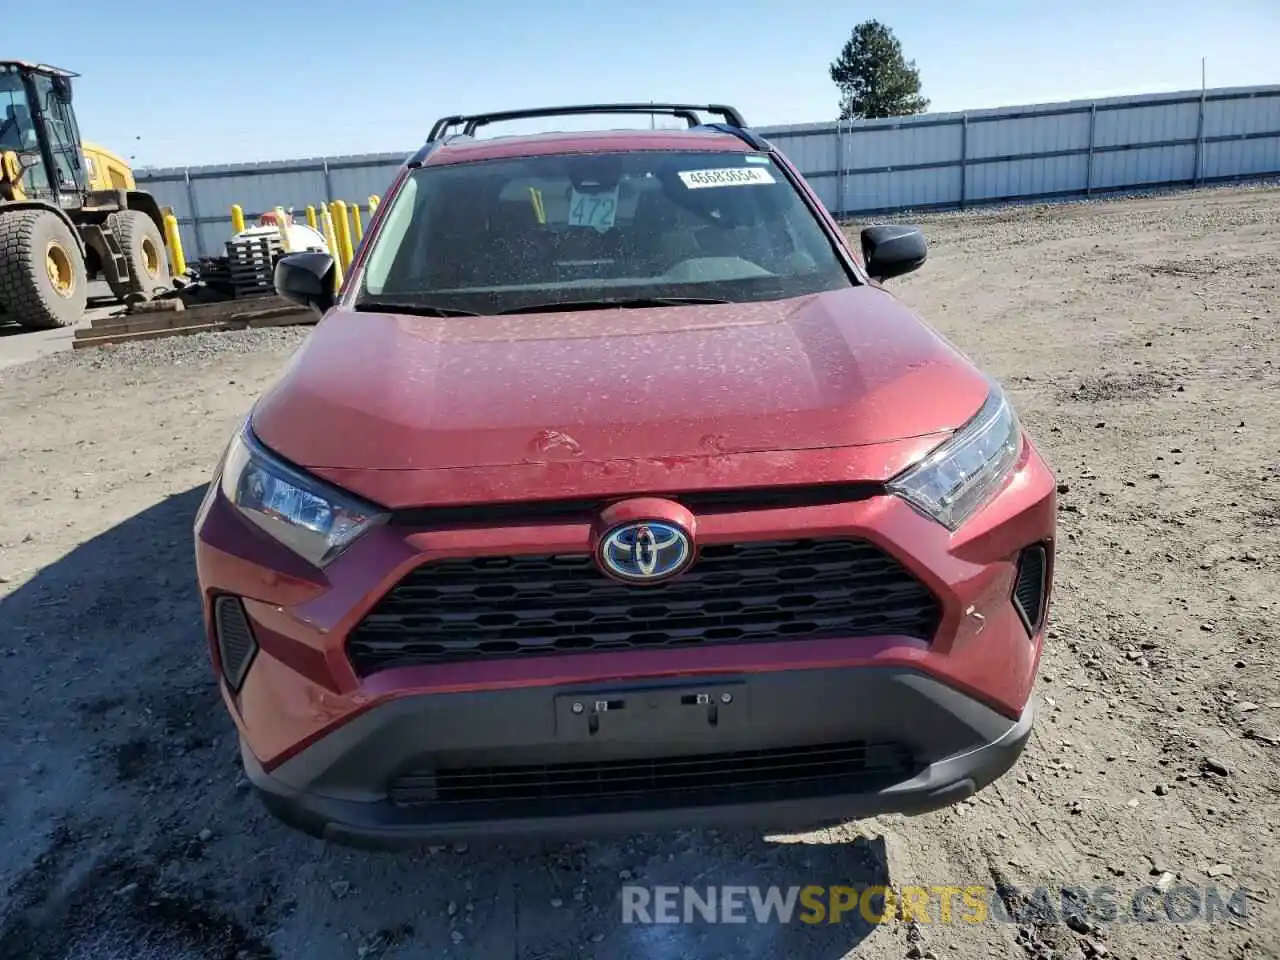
x,y
613,490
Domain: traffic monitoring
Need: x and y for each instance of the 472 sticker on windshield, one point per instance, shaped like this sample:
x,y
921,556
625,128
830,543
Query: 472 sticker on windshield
x,y
726,177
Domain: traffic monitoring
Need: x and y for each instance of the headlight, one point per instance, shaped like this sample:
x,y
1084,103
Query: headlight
x,y
960,475
308,516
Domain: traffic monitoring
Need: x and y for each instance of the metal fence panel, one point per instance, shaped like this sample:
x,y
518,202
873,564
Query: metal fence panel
x,y
257,192
809,152
1043,177
357,184
1241,158
1051,134
1155,124
1234,118
905,146
1144,167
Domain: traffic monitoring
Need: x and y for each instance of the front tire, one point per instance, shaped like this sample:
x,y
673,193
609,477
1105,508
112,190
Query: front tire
x,y
43,283
144,252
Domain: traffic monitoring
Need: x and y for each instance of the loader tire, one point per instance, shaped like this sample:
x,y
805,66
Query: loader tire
x,y
144,252
43,284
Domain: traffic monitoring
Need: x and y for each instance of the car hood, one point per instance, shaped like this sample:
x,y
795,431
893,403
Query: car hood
x,y
370,391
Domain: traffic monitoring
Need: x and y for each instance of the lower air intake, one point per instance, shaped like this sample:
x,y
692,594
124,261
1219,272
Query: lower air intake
x,y
744,776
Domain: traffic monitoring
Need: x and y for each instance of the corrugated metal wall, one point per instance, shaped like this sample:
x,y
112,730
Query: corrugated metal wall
x,y
934,161
201,197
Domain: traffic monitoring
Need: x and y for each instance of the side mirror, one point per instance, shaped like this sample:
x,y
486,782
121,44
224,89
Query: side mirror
x,y
891,251
306,279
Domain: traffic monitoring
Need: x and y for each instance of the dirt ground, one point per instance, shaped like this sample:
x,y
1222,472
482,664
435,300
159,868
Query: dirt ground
x,y
1139,340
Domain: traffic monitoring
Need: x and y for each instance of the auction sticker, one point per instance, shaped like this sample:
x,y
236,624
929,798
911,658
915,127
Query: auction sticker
x,y
726,177
597,210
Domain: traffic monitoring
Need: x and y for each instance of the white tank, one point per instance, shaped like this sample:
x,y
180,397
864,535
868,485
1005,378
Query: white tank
x,y
301,237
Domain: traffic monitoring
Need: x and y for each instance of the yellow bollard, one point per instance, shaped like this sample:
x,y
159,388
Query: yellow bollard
x,y
342,230
331,240
282,227
373,205
173,238
237,218
311,217
357,225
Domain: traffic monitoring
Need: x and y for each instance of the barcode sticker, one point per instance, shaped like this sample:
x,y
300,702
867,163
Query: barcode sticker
x,y
726,177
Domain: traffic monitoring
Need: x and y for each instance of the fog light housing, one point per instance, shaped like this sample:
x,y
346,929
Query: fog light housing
x,y
1031,586
237,645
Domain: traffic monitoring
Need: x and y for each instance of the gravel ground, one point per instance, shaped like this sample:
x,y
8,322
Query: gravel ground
x,y
1138,339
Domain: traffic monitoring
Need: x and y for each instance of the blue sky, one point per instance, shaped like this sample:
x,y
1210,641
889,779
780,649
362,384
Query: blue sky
x,y
265,80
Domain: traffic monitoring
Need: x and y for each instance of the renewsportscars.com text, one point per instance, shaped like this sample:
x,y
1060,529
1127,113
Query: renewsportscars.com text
x,y
970,904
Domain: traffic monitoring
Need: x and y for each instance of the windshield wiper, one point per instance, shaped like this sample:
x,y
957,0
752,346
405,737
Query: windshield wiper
x,y
611,303
416,309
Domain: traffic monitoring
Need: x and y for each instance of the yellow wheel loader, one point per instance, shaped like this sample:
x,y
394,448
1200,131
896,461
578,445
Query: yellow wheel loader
x,y
67,215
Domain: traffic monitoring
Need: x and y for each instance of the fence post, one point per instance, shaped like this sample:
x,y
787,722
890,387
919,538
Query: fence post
x,y
328,183
1198,169
839,169
1088,170
964,159
195,213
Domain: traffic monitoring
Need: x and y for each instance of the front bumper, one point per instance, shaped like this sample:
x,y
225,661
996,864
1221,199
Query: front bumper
x,y
326,744
932,747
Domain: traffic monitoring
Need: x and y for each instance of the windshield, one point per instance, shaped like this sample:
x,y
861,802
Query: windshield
x,y
512,234
17,129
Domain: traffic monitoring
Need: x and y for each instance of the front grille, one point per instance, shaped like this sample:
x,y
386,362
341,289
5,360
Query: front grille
x,y
716,777
492,607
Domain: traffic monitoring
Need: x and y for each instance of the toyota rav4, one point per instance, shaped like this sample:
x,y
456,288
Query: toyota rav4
x,y
613,490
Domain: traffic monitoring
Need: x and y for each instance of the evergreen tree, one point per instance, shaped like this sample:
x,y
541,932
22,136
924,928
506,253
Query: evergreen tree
x,y
874,78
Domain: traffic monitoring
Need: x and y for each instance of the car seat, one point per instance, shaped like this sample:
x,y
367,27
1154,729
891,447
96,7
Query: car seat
x,y
17,131
657,237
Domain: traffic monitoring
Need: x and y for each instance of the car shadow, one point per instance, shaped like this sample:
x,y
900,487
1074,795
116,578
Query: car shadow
x,y
124,819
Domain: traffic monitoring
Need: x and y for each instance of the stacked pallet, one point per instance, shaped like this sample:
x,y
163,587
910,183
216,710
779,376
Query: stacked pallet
x,y
215,274
171,318
251,262
247,268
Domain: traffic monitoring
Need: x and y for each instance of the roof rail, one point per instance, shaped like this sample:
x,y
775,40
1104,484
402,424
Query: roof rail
x,y
420,155
750,138
688,112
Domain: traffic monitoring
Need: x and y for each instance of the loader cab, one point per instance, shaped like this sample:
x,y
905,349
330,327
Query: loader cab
x,y
38,123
